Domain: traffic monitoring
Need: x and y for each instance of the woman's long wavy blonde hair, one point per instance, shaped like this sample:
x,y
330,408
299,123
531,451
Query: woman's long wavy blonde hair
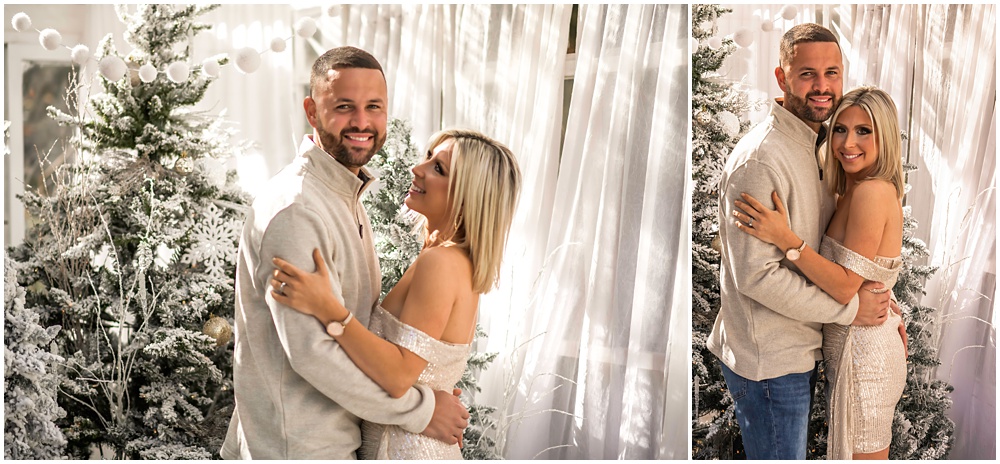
x,y
483,187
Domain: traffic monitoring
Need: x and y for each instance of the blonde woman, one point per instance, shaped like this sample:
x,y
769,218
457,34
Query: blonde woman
x,y
465,190
866,366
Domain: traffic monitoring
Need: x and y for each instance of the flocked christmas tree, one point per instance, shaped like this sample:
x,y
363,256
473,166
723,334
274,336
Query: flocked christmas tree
x,y
30,384
133,254
921,428
398,245
715,131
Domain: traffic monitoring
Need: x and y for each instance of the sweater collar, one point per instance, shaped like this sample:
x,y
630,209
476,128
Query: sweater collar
x,y
790,124
334,175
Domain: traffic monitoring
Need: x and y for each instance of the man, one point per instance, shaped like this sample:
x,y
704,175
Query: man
x,y
768,334
298,395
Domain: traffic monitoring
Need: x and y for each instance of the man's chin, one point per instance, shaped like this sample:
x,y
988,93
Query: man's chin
x,y
818,115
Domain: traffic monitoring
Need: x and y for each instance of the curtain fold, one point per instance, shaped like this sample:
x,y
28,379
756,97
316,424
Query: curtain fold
x,y
939,64
261,106
592,381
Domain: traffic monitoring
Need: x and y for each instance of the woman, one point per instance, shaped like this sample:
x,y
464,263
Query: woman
x,y
866,366
465,190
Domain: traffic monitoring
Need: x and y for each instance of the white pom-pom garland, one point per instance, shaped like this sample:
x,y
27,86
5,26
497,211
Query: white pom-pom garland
x,y
247,60
305,27
50,39
789,11
743,38
277,45
80,54
766,25
333,11
729,122
178,72
147,73
714,43
21,22
112,68
210,66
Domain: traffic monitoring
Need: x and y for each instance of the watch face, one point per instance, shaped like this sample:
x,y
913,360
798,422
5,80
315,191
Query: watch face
x,y
792,254
335,329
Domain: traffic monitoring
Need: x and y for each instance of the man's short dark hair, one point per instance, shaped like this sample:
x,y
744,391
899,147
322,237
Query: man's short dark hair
x,y
341,58
803,33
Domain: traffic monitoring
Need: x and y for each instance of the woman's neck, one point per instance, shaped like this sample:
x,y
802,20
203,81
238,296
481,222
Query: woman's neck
x,y
439,235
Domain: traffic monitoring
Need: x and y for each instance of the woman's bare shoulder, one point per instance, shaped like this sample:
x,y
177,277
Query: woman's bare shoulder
x,y
443,263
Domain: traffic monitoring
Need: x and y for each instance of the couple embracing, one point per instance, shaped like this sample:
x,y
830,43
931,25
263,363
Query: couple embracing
x,y
811,225
322,369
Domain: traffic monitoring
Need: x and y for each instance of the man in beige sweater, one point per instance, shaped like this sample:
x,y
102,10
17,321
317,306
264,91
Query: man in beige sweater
x,y
768,334
298,395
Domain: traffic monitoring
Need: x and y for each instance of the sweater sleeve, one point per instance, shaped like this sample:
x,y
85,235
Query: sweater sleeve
x,y
312,353
756,265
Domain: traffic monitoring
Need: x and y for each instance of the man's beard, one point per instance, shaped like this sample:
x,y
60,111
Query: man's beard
x,y
343,154
800,106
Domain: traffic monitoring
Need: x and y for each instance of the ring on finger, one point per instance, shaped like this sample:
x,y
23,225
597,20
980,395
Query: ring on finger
x,y
281,288
750,222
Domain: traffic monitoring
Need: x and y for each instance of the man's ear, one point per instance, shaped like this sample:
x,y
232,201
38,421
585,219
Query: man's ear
x,y
309,105
779,75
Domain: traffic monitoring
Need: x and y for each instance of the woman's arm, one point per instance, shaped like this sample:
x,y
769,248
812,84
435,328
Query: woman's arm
x,y
427,307
866,222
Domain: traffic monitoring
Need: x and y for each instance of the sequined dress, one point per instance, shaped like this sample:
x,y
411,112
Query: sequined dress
x,y
865,366
445,365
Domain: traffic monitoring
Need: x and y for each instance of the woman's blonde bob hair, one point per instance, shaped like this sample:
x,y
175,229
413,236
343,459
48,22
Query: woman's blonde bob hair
x,y
484,186
889,162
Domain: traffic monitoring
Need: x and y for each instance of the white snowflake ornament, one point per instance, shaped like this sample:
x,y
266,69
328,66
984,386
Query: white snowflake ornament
x,y
50,39
21,22
214,239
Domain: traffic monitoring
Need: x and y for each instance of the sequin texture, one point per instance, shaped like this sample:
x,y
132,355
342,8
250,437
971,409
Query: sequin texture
x,y
445,365
865,366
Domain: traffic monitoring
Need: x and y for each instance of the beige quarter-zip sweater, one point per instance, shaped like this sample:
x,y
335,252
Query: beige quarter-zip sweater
x,y
298,395
771,318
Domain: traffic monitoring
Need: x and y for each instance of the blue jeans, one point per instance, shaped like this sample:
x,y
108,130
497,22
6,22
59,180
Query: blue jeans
x,y
773,413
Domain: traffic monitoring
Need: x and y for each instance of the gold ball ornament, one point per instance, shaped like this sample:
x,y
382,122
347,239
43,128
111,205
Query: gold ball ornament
x,y
717,243
219,329
184,165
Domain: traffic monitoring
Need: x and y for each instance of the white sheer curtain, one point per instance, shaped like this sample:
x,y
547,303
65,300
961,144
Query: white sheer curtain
x,y
597,316
263,106
606,363
939,64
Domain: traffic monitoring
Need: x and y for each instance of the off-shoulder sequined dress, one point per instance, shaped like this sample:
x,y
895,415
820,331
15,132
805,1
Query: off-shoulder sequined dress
x,y
445,365
865,366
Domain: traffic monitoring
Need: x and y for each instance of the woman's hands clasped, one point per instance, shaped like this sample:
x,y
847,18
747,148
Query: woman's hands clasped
x,y
765,224
307,292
